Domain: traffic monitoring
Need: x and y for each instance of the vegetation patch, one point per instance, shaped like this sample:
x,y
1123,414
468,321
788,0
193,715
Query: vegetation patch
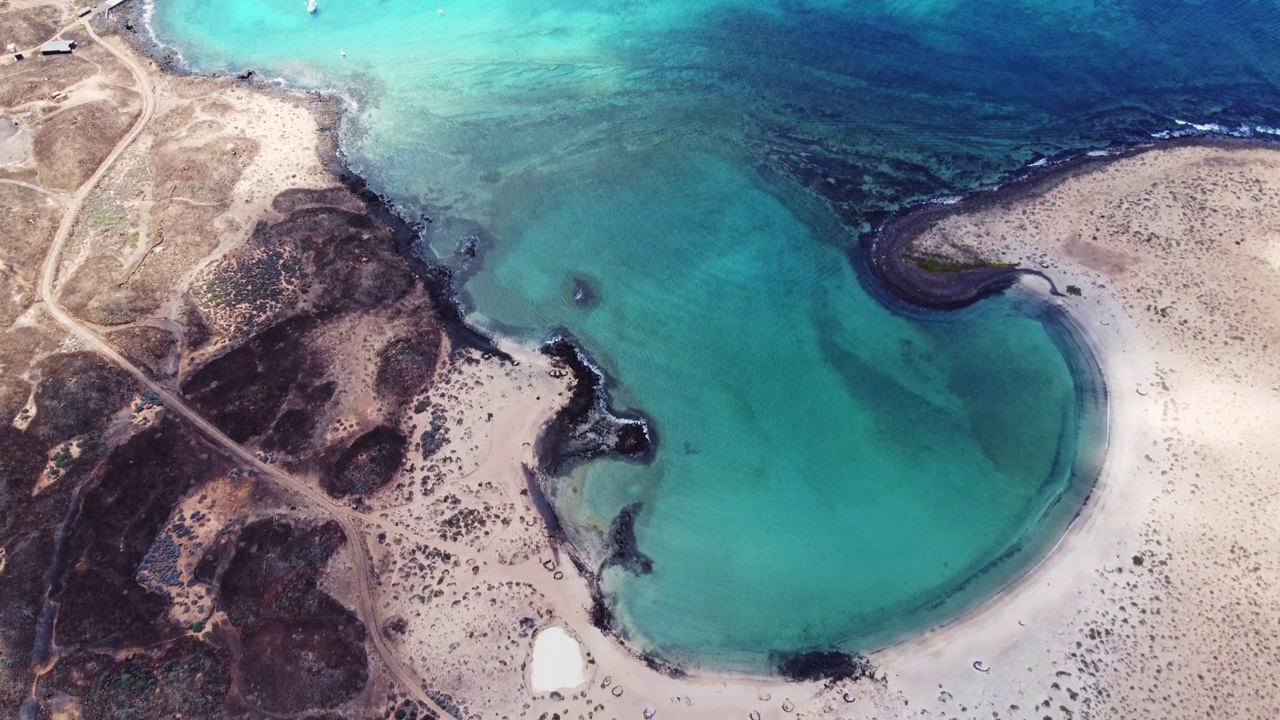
x,y
933,263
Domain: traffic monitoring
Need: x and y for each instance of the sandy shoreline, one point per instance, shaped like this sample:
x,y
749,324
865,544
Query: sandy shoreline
x,y
1091,631
1096,627
1129,232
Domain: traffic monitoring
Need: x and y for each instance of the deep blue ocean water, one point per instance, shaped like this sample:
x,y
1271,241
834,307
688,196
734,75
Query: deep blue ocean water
x,y
832,471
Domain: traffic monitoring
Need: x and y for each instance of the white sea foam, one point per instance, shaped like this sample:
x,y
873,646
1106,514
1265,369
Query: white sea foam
x,y
149,26
1187,128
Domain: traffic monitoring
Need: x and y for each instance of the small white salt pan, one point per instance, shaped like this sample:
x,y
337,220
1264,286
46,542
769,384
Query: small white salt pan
x,y
557,662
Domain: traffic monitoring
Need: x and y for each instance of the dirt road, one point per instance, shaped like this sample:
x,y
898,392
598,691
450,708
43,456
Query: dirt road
x,y
174,403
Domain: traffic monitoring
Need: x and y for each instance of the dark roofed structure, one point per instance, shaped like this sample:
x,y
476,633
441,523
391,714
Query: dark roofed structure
x,y
57,47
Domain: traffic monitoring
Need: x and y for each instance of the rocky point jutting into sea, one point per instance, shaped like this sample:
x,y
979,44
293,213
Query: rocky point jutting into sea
x,y
681,194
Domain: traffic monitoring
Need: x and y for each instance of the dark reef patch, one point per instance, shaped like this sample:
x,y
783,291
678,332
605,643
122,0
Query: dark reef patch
x,y
621,546
458,243
602,616
584,292
817,665
662,667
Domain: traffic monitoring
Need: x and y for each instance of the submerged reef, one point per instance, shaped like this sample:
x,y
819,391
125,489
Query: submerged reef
x,y
818,665
621,548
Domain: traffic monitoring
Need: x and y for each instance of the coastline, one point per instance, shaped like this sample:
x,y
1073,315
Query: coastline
x,y
1005,633
586,425
592,407
883,252
1078,598
942,641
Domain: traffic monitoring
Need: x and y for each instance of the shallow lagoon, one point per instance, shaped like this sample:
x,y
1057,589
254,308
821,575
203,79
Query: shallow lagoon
x,y
831,471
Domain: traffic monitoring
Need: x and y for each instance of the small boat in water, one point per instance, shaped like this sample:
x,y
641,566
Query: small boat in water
x,y
311,6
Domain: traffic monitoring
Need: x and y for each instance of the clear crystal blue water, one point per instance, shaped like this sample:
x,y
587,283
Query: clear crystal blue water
x,y
832,472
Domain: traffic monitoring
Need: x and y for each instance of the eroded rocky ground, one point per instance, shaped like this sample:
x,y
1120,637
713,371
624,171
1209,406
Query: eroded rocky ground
x,y
244,470
146,570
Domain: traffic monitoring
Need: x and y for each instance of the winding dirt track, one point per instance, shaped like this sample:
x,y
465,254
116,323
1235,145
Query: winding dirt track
x,y
175,403
64,199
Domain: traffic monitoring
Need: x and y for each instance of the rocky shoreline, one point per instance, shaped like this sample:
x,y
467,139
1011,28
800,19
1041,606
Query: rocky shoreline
x,y
886,253
588,427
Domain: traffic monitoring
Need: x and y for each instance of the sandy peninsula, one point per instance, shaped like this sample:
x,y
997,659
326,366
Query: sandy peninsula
x,y
1162,599
253,467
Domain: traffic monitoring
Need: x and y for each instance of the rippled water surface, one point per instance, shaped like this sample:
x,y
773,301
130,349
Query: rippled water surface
x,y
831,472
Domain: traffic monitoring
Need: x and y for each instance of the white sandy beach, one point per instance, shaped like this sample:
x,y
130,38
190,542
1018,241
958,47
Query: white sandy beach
x,y
1161,599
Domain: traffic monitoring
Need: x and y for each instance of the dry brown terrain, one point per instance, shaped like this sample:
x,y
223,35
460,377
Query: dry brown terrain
x,y
237,441
249,474
146,569
244,472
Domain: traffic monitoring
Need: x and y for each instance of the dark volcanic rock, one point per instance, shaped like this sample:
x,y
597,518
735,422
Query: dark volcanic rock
x,y
891,262
886,252
295,199
114,527
436,434
368,464
291,432
77,395
586,426
292,665
301,649
824,665
185,678
275,569
406,366
242,391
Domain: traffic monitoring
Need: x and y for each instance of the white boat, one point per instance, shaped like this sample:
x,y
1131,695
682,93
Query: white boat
x,y
311,6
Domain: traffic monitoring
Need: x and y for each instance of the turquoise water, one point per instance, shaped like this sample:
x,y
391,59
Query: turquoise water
x,y
832,471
